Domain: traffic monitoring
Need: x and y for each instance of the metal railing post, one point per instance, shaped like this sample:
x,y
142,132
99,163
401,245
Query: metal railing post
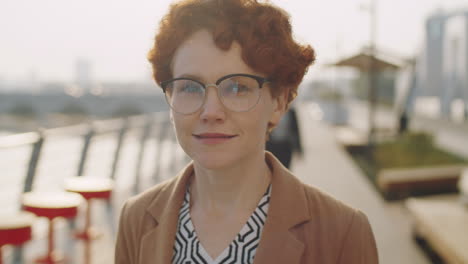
x,y
161,135
33,161
174,152
85,150
141,153
120,139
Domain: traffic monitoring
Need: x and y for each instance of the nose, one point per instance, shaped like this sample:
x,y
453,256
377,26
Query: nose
x,y
213,109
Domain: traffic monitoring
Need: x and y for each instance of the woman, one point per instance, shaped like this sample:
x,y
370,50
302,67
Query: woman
x,y
229,69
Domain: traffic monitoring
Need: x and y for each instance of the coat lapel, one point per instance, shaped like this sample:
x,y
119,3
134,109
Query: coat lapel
x,y
288,209
158,240
278,246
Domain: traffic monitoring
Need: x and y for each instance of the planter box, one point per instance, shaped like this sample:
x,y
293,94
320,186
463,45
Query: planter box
x,y
404,182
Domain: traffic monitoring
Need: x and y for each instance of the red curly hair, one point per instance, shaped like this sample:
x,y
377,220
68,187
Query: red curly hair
x,y
262,30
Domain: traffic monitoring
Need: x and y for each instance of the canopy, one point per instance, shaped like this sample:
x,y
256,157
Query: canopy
x,y
362,61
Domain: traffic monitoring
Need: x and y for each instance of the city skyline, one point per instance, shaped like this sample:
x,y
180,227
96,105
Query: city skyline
x,y
43,40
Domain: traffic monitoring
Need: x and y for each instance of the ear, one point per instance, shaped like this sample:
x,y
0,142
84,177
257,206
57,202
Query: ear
x,y
279,108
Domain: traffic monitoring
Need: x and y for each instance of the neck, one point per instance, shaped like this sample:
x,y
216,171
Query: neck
x,y
230,189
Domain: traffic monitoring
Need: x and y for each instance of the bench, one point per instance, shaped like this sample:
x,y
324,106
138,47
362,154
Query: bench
x,y
442,222
403,182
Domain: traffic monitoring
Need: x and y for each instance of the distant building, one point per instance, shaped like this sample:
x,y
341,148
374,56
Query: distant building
x,y
83,75
432,56
442,70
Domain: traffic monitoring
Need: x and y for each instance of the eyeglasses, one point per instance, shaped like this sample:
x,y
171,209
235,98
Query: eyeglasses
x,y
238,92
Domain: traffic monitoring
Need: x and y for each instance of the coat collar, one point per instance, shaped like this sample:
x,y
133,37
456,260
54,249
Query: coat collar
x,y
288,208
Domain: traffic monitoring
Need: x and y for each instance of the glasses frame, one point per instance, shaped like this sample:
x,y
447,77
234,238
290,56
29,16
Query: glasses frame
x,y
261,81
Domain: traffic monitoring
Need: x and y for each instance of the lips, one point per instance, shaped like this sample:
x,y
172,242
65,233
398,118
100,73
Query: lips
x,y
213,136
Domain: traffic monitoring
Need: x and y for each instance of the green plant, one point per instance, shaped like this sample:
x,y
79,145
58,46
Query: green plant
x,y
412,150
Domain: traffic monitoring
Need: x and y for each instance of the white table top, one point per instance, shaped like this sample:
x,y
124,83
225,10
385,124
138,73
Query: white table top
x,y
88,184
51,199
16,220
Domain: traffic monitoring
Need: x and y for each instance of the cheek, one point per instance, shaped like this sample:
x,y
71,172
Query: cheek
x,y
259,126
181,126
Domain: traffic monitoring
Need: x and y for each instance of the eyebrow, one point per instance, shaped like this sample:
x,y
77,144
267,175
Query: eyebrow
x,y
190,76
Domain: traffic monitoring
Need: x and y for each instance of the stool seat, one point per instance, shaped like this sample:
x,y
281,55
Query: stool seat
x,y
52,204
90,187
15,229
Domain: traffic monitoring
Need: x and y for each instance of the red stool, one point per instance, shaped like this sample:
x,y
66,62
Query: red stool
x,y
90,188
15,230
51,206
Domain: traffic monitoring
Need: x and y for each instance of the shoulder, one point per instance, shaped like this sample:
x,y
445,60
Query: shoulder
x,y
322,203
332,213
339,227
135,219
136,205
135,215
141,211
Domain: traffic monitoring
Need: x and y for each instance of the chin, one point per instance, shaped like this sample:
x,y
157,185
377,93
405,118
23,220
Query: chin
x,y
215,161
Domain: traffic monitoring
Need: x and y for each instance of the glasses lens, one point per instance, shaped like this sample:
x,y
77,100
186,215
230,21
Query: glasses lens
x,y
239,93
185,96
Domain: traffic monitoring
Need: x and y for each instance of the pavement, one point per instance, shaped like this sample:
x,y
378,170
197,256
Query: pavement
x,y
326,165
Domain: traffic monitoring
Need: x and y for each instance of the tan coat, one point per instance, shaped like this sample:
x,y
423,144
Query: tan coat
x,y
303,225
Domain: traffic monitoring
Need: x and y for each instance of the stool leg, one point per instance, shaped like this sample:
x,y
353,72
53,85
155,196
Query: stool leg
x,y
87,235
88,217
70,244
87,230
52,256
110,216
87,251
18,255
1,255
51,238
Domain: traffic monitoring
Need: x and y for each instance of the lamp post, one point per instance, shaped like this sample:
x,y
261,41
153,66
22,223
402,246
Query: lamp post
x,y
372,89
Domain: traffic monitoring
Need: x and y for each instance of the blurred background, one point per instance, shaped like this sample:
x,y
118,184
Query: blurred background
x,y
383,116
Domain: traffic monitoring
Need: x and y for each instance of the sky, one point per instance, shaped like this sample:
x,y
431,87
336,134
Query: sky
x,y
43,39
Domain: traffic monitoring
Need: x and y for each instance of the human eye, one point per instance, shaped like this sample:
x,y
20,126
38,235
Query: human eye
x,y
238,88
188,87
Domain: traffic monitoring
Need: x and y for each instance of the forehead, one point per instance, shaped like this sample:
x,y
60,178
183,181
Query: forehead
x,y
199,56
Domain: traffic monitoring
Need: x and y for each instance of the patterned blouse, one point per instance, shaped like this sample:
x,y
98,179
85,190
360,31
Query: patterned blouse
x,y
189,250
